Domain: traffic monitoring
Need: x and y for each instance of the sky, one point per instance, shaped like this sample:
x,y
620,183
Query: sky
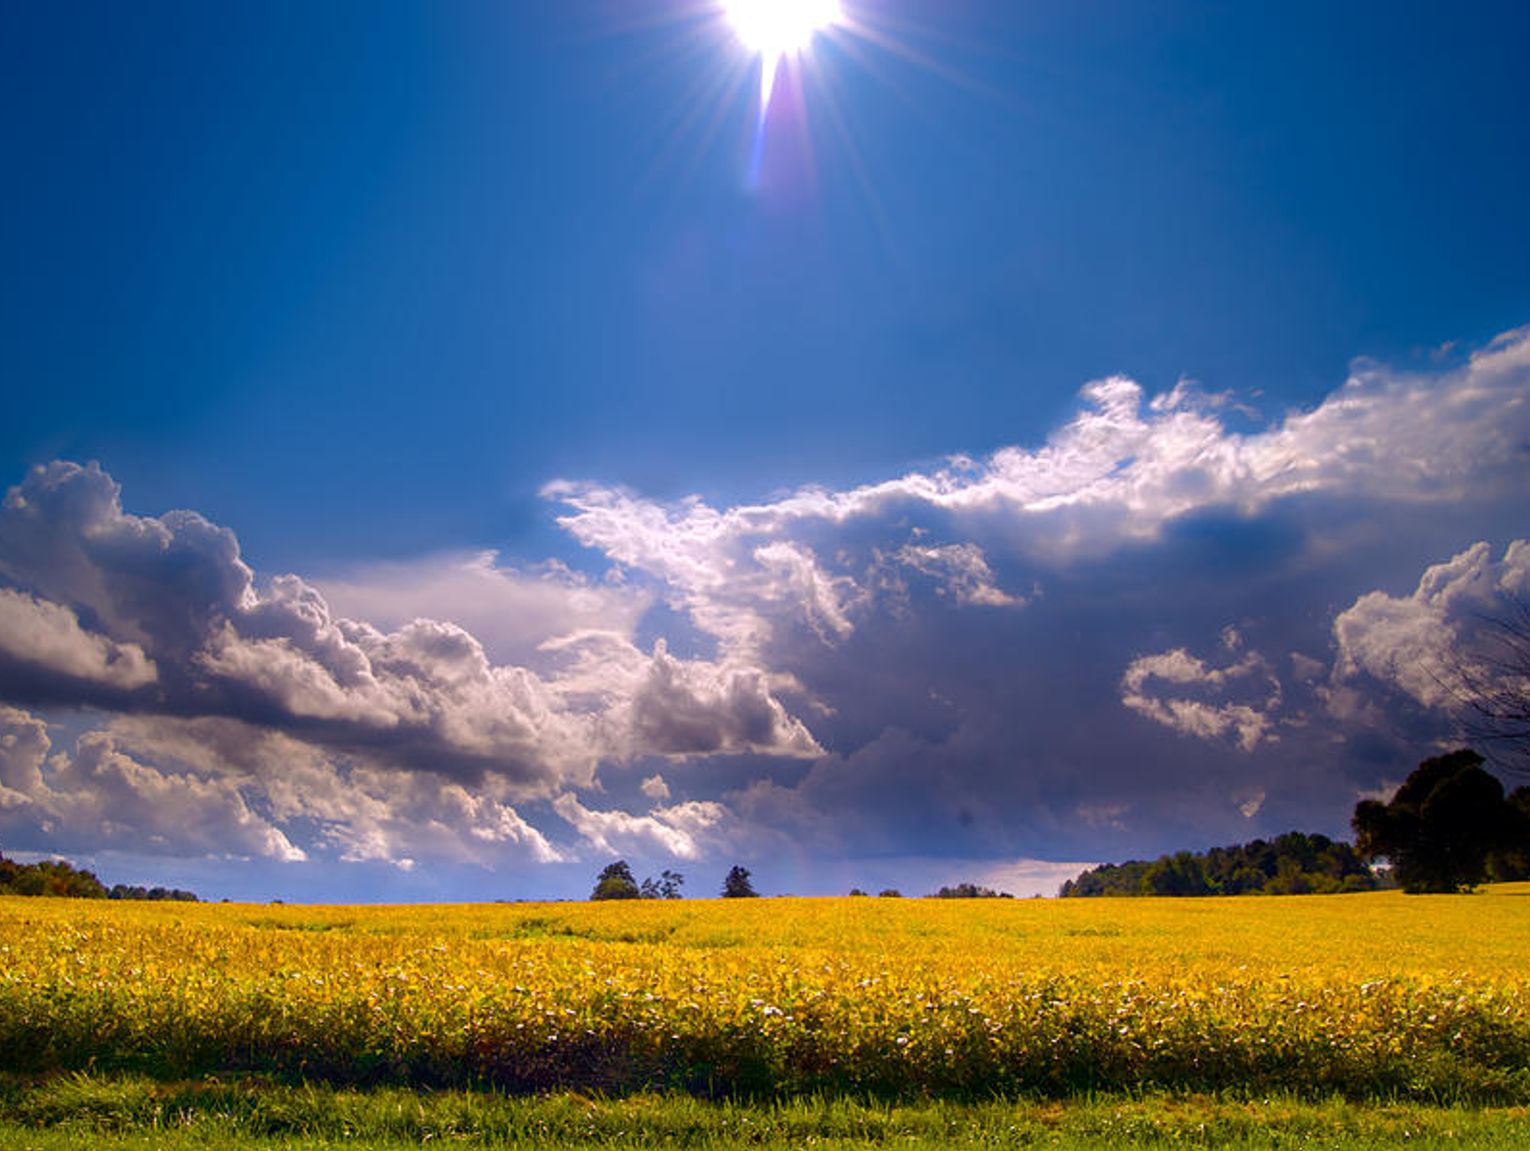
x,y
448,447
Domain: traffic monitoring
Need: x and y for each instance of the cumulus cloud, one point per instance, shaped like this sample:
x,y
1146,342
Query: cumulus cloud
x,y
1133,528
46,638
170,602
99,796
960,571
952,663
1435,644
1160,687
394,742
679,830
1119,471
510,611
213,786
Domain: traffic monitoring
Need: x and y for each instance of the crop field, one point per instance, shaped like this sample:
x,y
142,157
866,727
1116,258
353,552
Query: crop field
x,y
1370,996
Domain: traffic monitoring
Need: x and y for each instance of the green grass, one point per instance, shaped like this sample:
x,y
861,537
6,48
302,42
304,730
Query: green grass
x,y
79,1111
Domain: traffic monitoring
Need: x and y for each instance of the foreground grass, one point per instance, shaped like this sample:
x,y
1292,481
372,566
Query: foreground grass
x,y
122,1112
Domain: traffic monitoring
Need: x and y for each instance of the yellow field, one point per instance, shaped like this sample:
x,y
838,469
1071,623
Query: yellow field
x,y
1371,994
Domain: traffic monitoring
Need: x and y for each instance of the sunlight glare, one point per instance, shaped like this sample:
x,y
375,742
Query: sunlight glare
x,y
776,29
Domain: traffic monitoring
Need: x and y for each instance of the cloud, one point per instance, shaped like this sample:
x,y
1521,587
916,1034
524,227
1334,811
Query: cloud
x,y
1139,529
1118,472
1435,643
510,612
1027,877
209,786
960,571
99,796
46,638
1007,657
677,831
1205,715
170,603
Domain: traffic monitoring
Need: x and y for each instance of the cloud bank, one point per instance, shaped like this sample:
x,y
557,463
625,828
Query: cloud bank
x,y
1150,631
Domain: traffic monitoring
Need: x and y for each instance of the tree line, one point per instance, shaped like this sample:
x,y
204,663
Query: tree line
x,y
1448,828
1291,864
55,877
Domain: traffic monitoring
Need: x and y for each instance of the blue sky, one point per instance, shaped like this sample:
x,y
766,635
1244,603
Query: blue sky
x,y
1059,450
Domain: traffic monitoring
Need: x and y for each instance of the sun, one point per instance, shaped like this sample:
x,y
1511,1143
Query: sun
x,y
779,29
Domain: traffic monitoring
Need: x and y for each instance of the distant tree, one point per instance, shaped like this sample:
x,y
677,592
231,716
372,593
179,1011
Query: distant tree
x,y
857,893
1441,828
970,891
153,894
1290,864
52,877
616,882
667,886
889,893
1179,874
737,885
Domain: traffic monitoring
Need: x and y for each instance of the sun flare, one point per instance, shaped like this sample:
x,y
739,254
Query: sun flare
x,y
777,29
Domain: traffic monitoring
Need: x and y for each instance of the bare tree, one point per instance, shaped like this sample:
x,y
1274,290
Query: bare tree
x,y
1490,681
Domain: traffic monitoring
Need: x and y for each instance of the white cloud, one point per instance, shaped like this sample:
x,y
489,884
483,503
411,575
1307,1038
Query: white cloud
x,y
218,786
1249,801
510,612
1029,877
1204,714
1117,473
101,797
170,595
1423,642
961,572
48,637
24,745
678,830
655,788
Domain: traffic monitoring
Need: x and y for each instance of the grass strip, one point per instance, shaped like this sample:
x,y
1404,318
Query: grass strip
x,y
83,1110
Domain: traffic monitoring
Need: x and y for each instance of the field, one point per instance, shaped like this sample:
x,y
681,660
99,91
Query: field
x,y
1377,999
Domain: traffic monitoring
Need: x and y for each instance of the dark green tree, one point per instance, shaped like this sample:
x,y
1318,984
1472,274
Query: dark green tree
x,y
1291,864
667,886
616,882
1512,861
1179,874
1440,829
52,877
737,884
970,891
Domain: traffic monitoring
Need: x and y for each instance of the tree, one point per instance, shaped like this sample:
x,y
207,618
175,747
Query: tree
x,y
1512,862
1491,683
1440,829
52,877
667,886
1290,864
970,891
616,882
737,885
